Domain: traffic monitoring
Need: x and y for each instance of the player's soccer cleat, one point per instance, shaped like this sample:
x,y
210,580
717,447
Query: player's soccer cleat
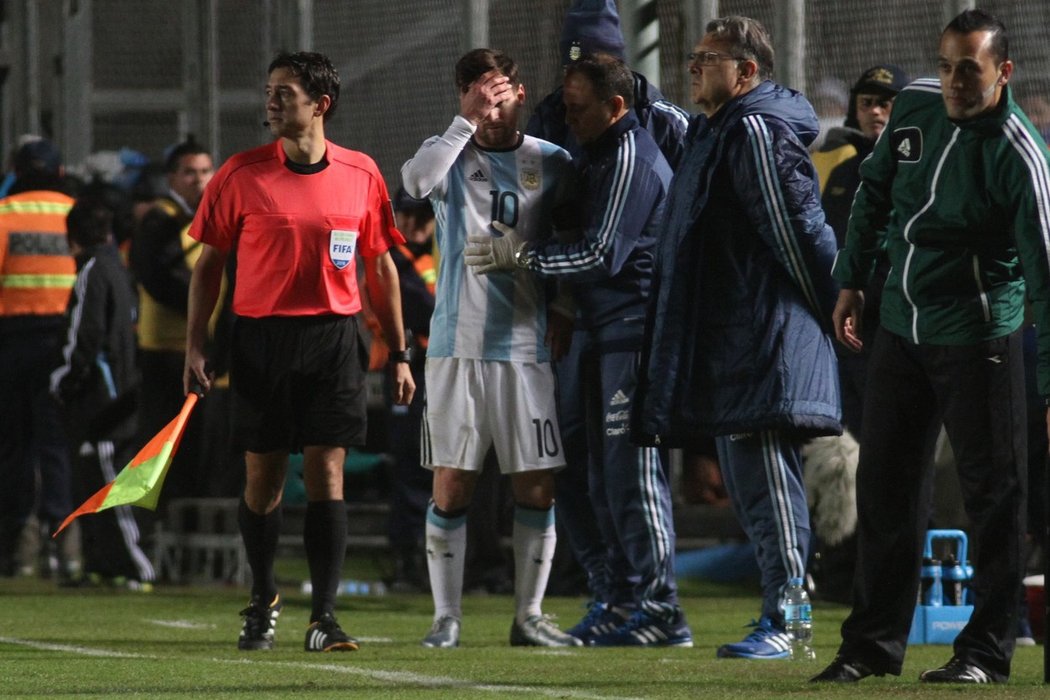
x,y
843,670
643,630
443,634
327,635
540,631
766,641
259,622
600,619
956,671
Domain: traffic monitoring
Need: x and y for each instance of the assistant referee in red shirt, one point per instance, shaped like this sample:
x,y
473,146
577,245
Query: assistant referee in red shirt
x,y
298,211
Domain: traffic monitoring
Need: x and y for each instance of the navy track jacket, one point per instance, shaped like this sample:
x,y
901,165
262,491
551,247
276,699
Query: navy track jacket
x,y
624,179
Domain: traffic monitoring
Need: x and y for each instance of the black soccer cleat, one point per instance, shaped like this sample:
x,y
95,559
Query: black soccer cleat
x,y
843,670
956,671
327,635
259,623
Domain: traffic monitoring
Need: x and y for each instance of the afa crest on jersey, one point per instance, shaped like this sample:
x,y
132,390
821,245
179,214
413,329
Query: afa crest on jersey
x,y
341,247
530,179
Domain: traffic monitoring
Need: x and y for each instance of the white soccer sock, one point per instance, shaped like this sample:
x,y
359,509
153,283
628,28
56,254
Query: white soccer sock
x,y
446,551
534,540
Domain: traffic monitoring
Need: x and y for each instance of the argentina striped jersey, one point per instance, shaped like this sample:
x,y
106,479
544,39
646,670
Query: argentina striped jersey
x,y
501,315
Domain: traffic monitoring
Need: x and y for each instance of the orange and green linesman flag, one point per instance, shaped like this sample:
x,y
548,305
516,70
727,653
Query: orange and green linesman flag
x,y
140,482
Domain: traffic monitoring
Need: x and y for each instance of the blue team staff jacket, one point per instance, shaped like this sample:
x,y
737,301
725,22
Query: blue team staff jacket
x,y
738,327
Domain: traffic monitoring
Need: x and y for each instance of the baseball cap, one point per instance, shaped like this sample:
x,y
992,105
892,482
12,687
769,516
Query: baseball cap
x,y
591,26
39,156
882,79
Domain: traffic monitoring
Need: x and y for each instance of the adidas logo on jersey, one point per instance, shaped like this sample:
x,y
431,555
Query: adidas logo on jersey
x,y
619,398
478,176
904,148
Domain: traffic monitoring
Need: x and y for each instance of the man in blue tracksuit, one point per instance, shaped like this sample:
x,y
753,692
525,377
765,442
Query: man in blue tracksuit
x,y
625,178
737,344
592,26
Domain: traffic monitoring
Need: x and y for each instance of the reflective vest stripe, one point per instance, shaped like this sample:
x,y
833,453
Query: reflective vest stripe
x,y
34,208
29,280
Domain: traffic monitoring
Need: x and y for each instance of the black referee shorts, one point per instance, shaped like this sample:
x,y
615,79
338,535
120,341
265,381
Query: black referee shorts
x,y
297,381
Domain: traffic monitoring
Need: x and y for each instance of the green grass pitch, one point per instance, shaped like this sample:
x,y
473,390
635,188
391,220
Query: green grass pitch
x,y
180,642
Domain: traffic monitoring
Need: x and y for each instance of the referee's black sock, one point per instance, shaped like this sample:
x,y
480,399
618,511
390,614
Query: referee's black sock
x,y
260,533
324,536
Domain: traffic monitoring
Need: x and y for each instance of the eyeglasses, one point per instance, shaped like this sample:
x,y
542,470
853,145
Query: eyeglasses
x,y
710,58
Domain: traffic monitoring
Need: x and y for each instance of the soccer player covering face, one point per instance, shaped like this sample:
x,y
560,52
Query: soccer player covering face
x,y
301,212
487,359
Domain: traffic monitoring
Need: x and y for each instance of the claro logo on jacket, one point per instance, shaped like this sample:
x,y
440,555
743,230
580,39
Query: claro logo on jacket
x,y
906,144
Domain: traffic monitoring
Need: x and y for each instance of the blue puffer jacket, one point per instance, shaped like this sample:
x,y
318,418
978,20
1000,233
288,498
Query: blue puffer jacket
x,y
737,330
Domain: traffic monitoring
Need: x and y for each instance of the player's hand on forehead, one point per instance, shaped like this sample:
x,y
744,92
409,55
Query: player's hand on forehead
x,y
484,94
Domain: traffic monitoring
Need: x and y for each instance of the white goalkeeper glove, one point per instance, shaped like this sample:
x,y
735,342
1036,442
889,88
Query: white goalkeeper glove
x,y
485,253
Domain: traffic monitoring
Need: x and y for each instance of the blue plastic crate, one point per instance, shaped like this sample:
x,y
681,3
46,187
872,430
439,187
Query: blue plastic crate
x,y
940,624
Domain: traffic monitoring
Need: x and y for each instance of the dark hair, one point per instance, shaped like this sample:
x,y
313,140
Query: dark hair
x,y
316,74
478,62
749,41
607,74
89,222
189,147
980,21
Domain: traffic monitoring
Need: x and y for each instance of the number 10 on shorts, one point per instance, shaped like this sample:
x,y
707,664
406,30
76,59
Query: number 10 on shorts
x,y
546,439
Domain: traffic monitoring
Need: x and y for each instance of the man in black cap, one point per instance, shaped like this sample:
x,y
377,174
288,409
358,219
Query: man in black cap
x,y
870,102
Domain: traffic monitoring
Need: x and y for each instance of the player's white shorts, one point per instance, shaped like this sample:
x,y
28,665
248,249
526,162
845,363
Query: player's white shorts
x,y
472,404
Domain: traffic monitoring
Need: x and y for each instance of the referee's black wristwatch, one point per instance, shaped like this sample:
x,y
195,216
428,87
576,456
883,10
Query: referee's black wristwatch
x,y
398,356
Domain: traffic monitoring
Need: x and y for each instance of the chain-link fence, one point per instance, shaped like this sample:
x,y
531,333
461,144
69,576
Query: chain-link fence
x,y
144,73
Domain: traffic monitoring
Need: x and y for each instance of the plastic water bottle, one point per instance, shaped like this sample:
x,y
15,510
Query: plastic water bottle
x,y
932,592
798,620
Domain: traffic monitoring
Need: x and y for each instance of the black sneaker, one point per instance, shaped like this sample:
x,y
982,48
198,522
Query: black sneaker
x,y
843,670
956,671
327,635
259,623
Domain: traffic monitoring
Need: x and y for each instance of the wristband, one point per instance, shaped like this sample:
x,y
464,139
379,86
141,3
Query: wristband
x,y
398,356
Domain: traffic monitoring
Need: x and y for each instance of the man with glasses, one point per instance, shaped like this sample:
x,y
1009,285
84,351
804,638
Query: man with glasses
x,y
957,194
737,329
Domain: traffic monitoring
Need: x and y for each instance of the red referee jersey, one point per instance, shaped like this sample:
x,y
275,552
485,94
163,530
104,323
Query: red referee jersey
x,y
297,235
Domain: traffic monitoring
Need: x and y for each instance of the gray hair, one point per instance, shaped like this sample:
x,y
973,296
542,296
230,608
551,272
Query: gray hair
x,y
749,41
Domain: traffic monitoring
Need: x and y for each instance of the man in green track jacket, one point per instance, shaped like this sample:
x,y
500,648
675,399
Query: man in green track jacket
x,y
957,192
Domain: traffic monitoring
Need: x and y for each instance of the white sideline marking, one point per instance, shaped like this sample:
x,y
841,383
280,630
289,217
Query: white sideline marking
x,y
182,624
84,651
433,681
387,676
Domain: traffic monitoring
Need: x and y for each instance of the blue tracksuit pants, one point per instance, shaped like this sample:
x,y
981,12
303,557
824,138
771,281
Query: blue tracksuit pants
x,y
629,493
763,476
